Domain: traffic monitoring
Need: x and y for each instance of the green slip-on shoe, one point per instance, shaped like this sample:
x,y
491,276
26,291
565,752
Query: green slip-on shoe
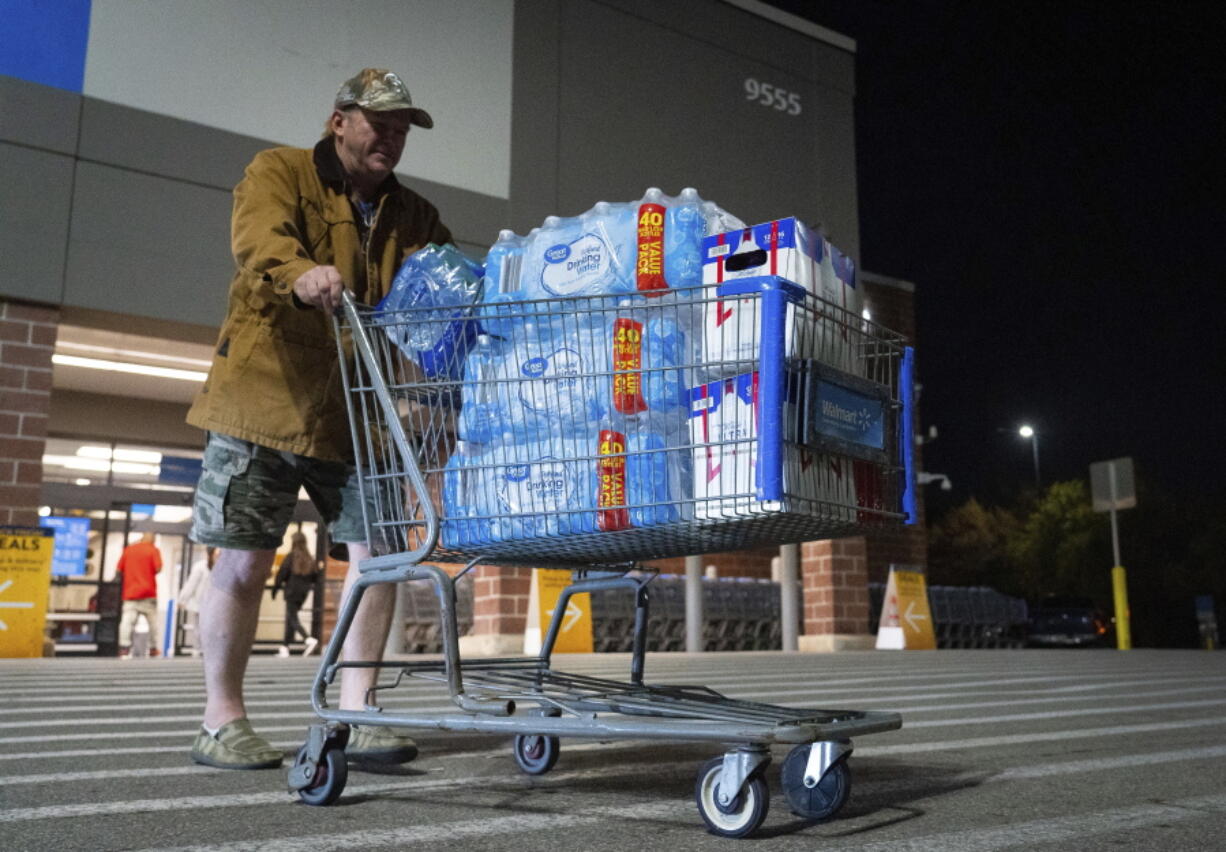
x,y
235,746
379,744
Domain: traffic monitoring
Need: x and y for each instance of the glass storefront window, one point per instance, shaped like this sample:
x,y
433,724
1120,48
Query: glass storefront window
x,y
85,462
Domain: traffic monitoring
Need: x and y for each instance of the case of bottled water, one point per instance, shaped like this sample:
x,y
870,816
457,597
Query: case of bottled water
x,y
521,491
439,284
545,384
588,417
645,246
724,432
786,248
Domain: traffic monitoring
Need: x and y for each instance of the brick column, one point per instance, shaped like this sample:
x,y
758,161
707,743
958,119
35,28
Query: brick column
x,y
835,581
27,341
500,612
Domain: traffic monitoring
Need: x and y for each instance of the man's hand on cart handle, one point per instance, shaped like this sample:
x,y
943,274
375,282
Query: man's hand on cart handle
x,y
321,287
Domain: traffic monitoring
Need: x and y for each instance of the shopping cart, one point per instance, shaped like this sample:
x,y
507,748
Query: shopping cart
x,y
595,433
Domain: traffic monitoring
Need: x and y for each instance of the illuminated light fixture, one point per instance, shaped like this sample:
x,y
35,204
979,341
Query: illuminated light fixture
x,y
122,367
146,456
106,352
172,514
1028,432
80,482
101,465
867,314
44,511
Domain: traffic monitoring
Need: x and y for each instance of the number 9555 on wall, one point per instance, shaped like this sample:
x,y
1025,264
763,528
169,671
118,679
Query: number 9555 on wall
x,y
769,95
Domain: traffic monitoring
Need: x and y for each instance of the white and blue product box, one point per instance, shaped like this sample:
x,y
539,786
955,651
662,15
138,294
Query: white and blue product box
x,y
724,436
783,247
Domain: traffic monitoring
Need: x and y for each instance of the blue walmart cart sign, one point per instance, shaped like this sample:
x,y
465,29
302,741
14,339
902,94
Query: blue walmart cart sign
x,y
71,544
849,416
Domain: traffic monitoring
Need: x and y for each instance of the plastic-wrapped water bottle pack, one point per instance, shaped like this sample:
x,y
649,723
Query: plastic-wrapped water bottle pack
x,y
573,415
439,284
643,246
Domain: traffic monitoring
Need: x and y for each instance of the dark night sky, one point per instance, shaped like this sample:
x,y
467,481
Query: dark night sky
x,y
1050,177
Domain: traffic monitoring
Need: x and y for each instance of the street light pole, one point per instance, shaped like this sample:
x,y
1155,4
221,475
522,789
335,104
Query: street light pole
x,y
1028,431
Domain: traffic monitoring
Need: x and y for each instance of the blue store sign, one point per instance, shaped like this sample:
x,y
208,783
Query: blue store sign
x,y
179,470
71,545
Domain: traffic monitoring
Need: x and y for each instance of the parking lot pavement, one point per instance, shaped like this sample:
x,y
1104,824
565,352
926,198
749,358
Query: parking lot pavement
x,y
1039,750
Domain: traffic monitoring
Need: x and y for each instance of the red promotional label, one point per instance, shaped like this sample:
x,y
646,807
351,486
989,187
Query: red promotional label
x,y
774,247
611,468
627,364
650,267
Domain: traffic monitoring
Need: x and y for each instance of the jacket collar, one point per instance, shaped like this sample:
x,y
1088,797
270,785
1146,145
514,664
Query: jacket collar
x,y
330,170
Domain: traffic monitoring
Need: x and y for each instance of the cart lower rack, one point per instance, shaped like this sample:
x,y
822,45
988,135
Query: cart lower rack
x,y
594,433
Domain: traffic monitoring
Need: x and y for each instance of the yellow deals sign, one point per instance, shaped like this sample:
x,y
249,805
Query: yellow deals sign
x,y
25,583
575,631
906,620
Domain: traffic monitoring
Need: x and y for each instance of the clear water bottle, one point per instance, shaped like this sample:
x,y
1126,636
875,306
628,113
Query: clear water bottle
x,y
664,355
465,510
484,395
685,227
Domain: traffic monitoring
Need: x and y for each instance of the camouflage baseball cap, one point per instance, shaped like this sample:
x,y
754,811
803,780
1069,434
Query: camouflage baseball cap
x,y
380,90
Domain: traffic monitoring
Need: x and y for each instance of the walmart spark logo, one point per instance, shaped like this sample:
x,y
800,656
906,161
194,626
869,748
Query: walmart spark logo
x,y
861,419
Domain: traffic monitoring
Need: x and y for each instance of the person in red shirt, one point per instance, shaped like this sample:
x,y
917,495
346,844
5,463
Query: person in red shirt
x,y
139,564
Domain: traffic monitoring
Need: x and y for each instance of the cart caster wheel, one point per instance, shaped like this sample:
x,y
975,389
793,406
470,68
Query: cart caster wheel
x,y
739,818
536,753
329,780
821,801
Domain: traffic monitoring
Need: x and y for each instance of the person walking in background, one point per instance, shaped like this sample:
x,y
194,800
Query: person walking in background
x,y
298,574
193,593
139,564
306,225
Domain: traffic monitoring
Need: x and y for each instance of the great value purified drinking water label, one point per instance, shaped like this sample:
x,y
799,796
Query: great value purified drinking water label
x,y
558,381
627,366
542,486
571,268
611,474
649,270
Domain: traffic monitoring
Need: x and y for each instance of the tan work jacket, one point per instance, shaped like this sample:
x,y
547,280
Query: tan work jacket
x,y
275,378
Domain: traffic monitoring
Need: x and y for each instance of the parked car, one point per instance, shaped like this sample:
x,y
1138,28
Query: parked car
x,y
1058,621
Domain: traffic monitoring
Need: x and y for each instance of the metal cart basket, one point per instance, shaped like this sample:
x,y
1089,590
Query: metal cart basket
x,y
594,433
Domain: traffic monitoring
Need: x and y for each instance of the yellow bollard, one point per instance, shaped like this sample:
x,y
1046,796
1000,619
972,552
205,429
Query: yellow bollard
x,y
1119,585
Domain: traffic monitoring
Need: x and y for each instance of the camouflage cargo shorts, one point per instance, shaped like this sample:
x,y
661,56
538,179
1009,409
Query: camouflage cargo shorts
x,y
246,495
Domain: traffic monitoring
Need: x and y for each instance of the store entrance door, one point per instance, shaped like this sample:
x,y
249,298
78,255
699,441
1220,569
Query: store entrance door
x,y
86,608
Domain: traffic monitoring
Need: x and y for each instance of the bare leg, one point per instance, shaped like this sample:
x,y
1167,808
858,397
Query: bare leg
x,y
193,630
367,634
228,620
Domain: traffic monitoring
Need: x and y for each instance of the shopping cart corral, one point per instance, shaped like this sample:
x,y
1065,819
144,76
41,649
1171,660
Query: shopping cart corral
x,y
596,433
